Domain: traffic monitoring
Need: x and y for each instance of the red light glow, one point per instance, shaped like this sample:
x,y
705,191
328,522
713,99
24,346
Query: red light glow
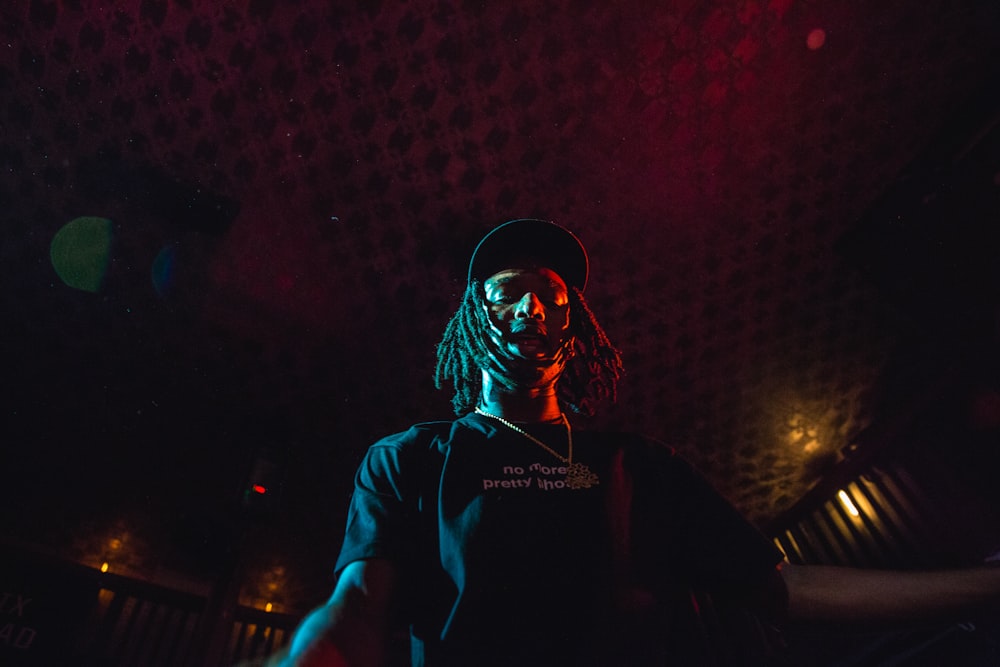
x,y
816,39
257,488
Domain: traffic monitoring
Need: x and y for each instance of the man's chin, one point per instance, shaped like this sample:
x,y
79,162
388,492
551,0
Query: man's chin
x,y
534,371
526,370
531,353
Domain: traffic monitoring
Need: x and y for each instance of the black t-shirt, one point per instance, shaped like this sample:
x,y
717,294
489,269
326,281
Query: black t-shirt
x,y
505,563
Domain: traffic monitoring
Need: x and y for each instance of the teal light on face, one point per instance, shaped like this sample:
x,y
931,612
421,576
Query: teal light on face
x,y
80,252
163,270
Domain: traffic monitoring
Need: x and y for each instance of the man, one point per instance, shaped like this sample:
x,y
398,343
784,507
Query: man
x,y
507,538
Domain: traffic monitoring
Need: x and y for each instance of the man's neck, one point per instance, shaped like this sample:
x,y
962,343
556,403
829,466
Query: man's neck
x,y
531,404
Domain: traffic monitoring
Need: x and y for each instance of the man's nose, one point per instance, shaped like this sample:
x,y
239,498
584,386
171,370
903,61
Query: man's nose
x,y
530,306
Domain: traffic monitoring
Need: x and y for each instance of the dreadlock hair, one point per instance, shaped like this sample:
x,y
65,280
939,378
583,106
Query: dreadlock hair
x,y
590,377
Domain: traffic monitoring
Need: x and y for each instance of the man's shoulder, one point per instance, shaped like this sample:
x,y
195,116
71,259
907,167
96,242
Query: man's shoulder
x,y
429,433
631,443
642,455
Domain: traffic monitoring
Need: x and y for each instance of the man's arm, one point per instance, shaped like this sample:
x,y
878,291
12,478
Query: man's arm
x,y
352,628
828,593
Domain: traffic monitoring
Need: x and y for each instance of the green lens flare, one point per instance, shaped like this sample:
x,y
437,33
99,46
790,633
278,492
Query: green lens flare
x,y
80,252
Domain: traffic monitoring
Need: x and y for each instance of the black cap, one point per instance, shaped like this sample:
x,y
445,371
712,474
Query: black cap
x,y
539,242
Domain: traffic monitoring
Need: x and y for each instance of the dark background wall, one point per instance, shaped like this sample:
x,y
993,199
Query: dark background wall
x,y
790,208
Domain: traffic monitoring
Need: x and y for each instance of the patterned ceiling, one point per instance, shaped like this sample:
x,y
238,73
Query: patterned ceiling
x,y
294,188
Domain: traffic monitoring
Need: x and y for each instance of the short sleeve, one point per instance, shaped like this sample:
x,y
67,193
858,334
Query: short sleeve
x,y
381,516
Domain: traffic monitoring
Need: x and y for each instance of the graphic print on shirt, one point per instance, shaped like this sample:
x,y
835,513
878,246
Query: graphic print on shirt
x,y
536,475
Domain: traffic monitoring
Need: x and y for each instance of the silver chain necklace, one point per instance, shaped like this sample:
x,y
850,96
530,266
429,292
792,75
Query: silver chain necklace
x,y
578,475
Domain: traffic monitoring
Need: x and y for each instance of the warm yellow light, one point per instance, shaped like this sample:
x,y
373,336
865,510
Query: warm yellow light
x,y
267,607
845,500
104,566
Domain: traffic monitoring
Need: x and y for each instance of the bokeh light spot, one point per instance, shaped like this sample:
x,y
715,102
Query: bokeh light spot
x,y
163,270
80,252
816,39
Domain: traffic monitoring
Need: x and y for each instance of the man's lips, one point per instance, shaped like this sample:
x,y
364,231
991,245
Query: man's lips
x,y
527,329
529,341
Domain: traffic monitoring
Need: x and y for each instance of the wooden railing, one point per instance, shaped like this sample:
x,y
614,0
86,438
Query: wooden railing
x,y
880,517
256,634
64,613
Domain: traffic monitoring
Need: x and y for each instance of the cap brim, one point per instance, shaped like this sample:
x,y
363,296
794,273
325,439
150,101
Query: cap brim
x,y
528,240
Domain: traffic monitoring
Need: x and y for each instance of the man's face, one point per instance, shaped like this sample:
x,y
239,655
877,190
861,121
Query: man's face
x,y
529,313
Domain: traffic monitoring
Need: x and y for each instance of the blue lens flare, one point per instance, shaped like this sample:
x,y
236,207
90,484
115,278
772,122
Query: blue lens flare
x,y
163,270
